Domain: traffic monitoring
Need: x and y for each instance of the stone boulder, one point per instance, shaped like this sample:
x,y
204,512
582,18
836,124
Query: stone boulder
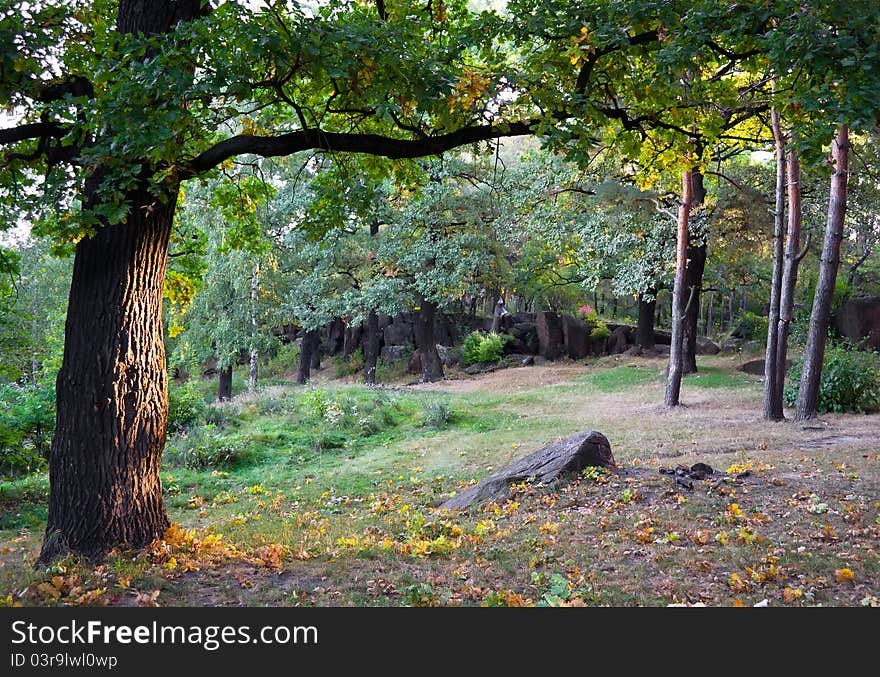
x,y
550,339
756,367
399,332
706,346
395,353
859,321
618,342
575,337
544,466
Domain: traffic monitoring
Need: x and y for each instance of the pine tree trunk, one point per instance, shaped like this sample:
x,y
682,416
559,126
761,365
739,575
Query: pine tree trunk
x,y
645,325
679,296
432,367
371,348
310,343
814,353
772,404
710,307
111,390
789,272
224,384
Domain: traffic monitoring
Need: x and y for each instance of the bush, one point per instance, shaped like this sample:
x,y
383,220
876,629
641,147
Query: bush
x,y
850,380
285,360
483,347
349,367
186,406
26,427
753,327
437,414
205,451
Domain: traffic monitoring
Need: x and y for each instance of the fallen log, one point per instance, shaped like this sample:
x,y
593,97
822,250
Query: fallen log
x,y
544,466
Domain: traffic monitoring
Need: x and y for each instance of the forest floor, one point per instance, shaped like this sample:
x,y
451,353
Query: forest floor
x,y
327,495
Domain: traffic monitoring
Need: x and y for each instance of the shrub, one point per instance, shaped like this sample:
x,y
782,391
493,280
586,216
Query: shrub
x,y
286,359
850,380
26,427
753,327
349,367
207,451
600,331
186,406
483,347
437,414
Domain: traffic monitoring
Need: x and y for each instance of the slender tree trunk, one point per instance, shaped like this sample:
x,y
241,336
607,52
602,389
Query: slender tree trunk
x,y
710,307
772,404
315,353
371,348
310,344
679,295
814,353
645,325
432,367
224,384
112,398
255,328
789,272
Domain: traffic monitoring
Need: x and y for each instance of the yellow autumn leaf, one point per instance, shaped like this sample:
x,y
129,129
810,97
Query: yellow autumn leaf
x,y
844,575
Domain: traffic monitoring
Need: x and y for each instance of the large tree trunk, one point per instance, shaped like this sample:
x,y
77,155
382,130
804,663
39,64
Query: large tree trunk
x,y
814,353
310,345
224,384
432,367
645,325
111,390
679,295
772,404
112,399
371,348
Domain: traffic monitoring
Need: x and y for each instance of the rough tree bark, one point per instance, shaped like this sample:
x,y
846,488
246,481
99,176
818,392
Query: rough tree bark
x,y
814,353
772,406
432,367
679,295
645,325
310,345
111,390
224,384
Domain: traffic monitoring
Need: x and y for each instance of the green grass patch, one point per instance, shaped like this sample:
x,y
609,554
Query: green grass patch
x,y
622,378
716,377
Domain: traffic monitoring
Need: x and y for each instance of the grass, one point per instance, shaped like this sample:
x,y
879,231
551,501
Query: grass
x,y
327,495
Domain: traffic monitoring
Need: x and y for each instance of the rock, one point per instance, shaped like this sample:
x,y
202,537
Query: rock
x,y
399,333
525,339
575,337
732,345
445,330
520,318
527,361
706,346
618,342
753,347
550,341
448,356
546,465
395,353
756,367
859,321
662,338
484,368
633,351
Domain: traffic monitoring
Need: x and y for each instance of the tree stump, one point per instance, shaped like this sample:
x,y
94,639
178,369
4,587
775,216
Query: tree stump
x,y
546,465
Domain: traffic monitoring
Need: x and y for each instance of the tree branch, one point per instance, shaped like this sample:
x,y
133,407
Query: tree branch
x,y
34,130
371,144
